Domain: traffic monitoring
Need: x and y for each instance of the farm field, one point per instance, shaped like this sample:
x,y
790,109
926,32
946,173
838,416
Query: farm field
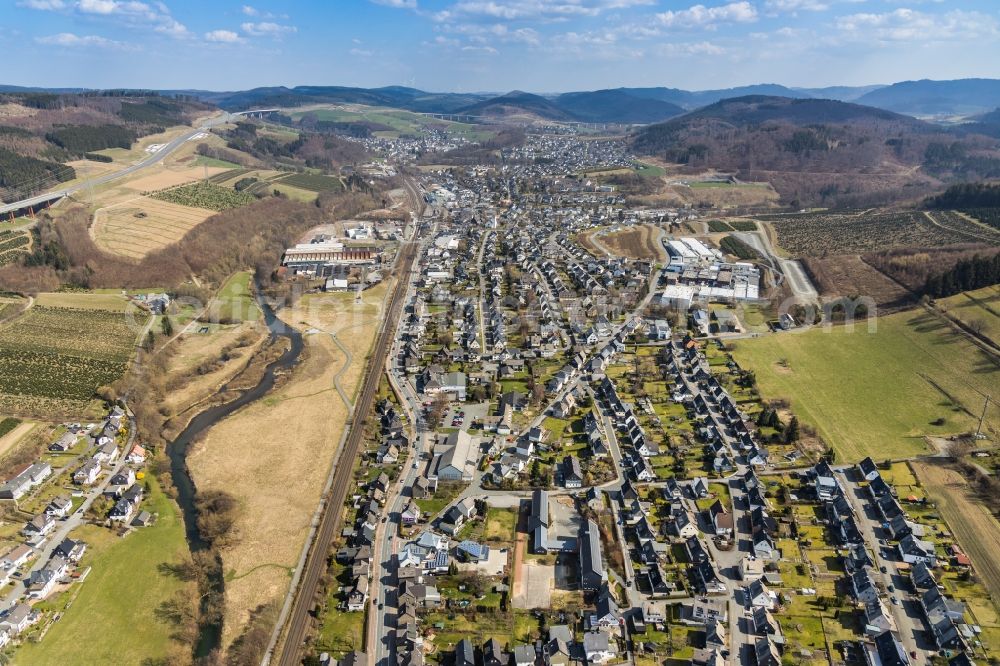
x,y
138,227
818,234
53,359
125,588
205,195
639,242
293,193
83,300
980,310
313,182
975,528
877,393
842,275
13,244
12,431
289,431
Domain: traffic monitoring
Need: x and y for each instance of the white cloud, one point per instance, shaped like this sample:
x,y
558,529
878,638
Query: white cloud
x,y
480,49
510,10
69,39
361,53
911,25
268,29
131,13
43,5
249,11
796,5
397,4
708,18
110,7
223,37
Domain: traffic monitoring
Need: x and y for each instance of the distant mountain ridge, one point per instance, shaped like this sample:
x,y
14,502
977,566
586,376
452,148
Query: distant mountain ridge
x,y
926,97
635,105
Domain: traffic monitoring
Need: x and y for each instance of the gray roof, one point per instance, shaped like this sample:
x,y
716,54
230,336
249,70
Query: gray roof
x,y
590,551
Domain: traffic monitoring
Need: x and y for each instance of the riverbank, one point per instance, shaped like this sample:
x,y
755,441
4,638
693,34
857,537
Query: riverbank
x,y
274,456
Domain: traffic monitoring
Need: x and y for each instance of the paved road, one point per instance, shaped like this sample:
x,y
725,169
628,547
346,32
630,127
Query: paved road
x,y
153,158
909,621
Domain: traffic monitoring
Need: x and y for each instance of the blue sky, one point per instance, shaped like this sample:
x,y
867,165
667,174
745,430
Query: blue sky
x,y
495,45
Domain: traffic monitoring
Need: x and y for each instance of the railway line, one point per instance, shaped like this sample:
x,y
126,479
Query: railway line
x,y
330,522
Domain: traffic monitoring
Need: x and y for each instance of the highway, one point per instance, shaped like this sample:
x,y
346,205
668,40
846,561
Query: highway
x,y
330,523
153,158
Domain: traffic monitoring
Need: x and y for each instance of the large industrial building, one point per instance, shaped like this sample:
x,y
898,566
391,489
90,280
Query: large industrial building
x,y
697,273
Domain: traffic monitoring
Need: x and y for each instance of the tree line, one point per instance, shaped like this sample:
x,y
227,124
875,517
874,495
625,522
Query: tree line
x,y
81,139
966,275
967,195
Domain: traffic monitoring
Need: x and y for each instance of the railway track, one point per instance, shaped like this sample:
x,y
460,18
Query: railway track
x,y
330,522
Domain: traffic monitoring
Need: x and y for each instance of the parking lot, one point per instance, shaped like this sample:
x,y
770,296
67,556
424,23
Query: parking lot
x,y
564,530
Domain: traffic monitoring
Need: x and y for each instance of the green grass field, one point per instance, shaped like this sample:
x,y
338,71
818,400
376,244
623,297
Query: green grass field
x,y
979,310
201,160
235,302
113,618
877,394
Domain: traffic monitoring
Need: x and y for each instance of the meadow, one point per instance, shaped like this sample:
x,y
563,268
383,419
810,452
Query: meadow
x,y
117,608
877,393
979,310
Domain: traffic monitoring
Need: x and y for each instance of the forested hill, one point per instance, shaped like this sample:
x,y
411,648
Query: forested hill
x,y
822,151
39,131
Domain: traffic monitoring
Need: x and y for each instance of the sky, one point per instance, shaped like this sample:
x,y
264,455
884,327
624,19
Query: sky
x,y
495,45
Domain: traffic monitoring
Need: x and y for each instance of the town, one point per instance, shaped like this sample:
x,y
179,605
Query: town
x,y
566,465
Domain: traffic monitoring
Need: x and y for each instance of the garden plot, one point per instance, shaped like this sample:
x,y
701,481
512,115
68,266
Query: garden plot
x,y
138,227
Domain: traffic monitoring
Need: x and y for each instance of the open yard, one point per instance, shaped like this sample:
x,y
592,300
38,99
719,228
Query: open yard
x,y
136,228
976,529
293,434
877,393
53,359
117,607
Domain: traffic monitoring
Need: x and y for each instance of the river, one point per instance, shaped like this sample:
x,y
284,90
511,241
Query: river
x,y
210,634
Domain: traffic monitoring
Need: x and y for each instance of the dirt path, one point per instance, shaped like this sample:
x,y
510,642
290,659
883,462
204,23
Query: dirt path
x,y
11,439
975,528
517,588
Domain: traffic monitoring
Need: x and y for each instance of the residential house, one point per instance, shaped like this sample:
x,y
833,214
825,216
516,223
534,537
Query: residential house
x,y
758,595
597,648
571,473
59,506
88,473
523,655
606,615
914,550
40,525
